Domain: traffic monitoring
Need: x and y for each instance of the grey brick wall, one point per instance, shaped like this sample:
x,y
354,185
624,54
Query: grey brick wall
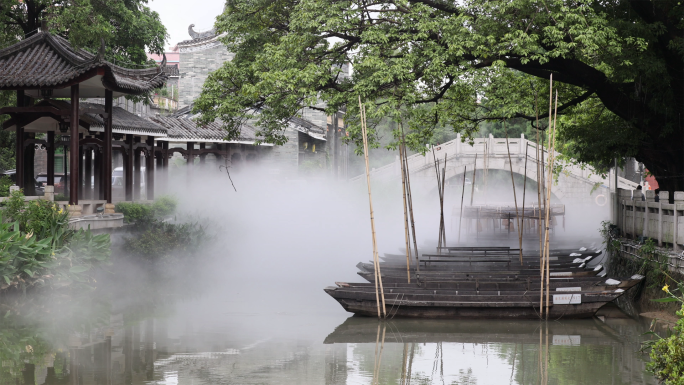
x,y
197,61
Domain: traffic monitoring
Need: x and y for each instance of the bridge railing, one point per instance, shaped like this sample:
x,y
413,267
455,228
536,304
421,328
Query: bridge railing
x,y
662,221
492,147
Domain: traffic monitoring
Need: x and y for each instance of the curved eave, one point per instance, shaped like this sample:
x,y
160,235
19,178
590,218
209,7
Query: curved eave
x,y
132,131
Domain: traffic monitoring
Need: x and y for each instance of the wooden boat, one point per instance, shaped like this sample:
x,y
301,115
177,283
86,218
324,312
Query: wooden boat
x,y
586,284
450,303
483,282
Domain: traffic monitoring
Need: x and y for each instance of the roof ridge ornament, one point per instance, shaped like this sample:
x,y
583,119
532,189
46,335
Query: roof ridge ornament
x,y
43,26
200,35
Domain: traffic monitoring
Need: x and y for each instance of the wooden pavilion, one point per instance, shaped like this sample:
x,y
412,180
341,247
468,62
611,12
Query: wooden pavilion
x,y
46,71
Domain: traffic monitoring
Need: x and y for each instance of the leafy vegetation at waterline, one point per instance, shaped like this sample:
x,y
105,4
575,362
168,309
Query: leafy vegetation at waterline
x,y
154,239
134,212
37,248
667,354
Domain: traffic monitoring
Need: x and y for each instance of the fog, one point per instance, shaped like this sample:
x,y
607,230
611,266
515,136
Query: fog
x,y
279,242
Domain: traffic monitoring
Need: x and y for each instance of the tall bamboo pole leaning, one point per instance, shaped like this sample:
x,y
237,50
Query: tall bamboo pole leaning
x,y
524,191
460,219
442,203
439,191
542,254
539,173
552,155
406,224
378,277
410,197
472,189
515,198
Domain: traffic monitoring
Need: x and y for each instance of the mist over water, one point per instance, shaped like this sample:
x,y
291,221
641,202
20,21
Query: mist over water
x,y
252,309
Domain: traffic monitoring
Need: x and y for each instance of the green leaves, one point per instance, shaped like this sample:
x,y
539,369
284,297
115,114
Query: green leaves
x,y
458,65
38,248
669,299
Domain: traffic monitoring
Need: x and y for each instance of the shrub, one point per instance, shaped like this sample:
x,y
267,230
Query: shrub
x,y
164,205
139,212
40,217
38,246
5,183
134,212
157,241
667,354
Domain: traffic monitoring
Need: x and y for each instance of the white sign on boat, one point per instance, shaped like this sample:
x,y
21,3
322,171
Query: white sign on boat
x,y
567,340
569,289
561,274
567,299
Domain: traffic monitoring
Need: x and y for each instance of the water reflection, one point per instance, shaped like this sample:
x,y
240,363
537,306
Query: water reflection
x,y
357,351
496,352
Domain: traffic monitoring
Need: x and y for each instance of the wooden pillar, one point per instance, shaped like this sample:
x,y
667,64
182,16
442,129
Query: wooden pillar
x,y
202,156
165,165
81,169
19,151
65,185
149,168
128,164
137,181
107,149
28,166
51,158
74,145
98,191
88,187
191,159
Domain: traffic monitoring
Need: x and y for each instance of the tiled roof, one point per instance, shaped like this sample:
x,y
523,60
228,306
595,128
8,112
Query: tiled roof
x,y
123,122
172,70
197,40
186,129
306,127
181,126
48,61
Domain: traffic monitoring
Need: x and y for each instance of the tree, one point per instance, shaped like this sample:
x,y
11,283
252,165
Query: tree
x,y
617,65
128,27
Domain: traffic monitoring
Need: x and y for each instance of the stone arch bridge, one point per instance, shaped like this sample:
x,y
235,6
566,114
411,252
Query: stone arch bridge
x,y
575,184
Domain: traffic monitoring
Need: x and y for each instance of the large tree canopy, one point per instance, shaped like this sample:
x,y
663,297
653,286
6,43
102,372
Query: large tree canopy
x,y
617,64
128,27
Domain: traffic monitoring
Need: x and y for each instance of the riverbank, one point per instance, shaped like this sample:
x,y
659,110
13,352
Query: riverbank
x,y
655,264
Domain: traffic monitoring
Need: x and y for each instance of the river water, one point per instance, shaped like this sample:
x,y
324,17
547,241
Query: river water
x,y
256,313
229,344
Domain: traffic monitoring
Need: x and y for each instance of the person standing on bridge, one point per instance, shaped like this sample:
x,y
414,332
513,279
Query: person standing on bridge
x,y
638,192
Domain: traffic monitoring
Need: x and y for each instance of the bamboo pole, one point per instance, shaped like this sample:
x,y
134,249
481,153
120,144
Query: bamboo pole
x,y
402,381
460,219
410,198
515,197
542,244
524,191
552,144
406,224
472,190
538,185
442,202
378,277
439,191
